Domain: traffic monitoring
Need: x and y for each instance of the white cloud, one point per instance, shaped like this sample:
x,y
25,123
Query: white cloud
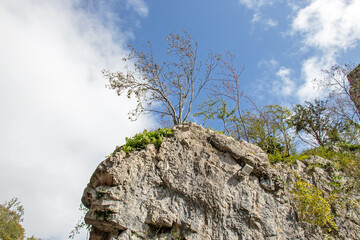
x,y
139,6
311,70
57,119
286,86
267,22
271,22
256,4
330,27
256,17
269,65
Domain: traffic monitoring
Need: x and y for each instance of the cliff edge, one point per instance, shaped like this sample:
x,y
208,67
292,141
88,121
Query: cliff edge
x,y
200,184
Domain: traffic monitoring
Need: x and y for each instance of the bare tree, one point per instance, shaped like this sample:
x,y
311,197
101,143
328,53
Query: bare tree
x,y
338,88
226,100
167,89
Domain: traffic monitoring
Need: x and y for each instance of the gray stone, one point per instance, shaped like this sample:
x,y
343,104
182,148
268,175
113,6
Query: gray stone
x,y
193,187
354,80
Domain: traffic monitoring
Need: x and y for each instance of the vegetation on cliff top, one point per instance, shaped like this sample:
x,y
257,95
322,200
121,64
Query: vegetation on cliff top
x,y
140,140
321,125
11,215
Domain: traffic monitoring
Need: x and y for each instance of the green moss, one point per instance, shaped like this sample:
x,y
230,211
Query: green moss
x,y
140,140
104,215
99,195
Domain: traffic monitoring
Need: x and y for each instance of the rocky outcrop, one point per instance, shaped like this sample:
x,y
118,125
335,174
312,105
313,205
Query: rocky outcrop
x,y
354,80
203,185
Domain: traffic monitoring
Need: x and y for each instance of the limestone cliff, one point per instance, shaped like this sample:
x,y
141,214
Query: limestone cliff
x,y
354,80
203,185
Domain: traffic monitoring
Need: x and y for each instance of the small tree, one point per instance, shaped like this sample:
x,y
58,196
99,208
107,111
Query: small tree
x,y
317,122
239,115
226,100
169,88
279,132
10,217
340,102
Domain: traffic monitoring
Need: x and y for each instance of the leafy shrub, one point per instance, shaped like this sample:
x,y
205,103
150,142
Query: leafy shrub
x,y
346,161
312,207
349,147
270,145
140,140
288,159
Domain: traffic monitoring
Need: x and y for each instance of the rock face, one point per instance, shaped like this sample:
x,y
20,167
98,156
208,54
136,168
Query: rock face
x,y
354,80
203,185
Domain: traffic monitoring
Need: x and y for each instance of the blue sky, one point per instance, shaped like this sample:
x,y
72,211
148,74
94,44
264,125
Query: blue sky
x,y
57,119
283,44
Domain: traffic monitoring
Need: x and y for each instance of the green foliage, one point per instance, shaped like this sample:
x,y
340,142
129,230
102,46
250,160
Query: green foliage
x,y
11,213
267,127
10,217
346,161
33,238
81,223
104,215
349,146
288,159
270,145
316,121
214,130
140,140
216,109
336,184
99,195
312,207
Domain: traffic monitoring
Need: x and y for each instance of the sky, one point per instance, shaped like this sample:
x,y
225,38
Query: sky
x,y
57,119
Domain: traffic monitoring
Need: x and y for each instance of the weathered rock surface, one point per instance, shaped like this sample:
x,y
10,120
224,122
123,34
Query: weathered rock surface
x,y
354,80
197,186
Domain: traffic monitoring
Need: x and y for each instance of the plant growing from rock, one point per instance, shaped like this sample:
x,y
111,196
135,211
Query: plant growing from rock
x,y
140,140
80,224
312,207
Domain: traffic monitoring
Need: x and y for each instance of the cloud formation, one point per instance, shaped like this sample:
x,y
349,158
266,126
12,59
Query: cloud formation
x,y
139,6
330,27
256,4
286,86
267,22
57,119
324,29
